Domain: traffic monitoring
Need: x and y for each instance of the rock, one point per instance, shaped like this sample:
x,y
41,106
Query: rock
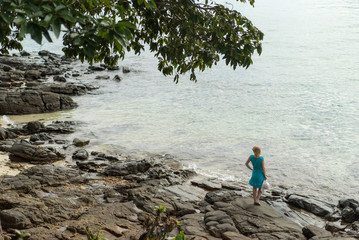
x,y
122,169
32,75
102,77
28,102
34,154
113,68
71,89
44,53
53,175
126,69
12,218
92,165
7,68
349,215
24,54
117,78
61,127
207,185
34,127
316,207
181,209
5,134
234,236
40,137
80,142
221,196
333,227
314,231
345,202
96,68
59,79
81,154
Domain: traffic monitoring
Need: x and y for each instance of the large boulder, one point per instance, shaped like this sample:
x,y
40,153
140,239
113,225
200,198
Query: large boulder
x,y
122,169
314,206
5,134
34,154
28,102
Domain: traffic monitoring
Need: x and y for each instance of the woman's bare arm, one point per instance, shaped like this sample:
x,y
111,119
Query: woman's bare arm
x,y
264,170
247,163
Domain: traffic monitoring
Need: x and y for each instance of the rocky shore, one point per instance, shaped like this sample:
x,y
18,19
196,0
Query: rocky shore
x,y
63,186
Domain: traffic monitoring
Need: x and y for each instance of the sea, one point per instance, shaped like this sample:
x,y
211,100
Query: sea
x,y
298,101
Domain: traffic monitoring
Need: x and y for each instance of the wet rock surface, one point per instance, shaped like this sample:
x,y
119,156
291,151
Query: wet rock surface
x,y
26,102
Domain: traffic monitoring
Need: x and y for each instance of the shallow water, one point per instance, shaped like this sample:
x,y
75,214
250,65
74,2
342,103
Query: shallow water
x,y
298,102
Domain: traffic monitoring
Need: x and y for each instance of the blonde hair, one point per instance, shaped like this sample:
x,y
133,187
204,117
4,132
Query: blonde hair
x,y
257,151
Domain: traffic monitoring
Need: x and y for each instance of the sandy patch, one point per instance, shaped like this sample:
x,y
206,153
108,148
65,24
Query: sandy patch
x,y
7,167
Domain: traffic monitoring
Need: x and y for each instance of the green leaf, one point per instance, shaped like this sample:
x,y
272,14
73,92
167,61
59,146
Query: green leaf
x,y
60,7
89,51
23,30
48,18
19,20
5,18
36,33
56,27
47,35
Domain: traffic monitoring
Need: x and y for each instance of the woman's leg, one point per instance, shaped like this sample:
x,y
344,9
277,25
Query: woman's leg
x,y
254,194
259,194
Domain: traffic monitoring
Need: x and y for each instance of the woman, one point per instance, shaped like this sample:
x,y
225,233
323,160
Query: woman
x,y
258,173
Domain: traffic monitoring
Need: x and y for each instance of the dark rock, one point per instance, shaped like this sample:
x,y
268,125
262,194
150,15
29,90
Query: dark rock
x,y
52,175
314,231
316,207
126,69
181,209
5,85
40,137
27,102
24,54
349,215
44,53
76,74
113,68
234,235
61,127
80,154
14,219
35,154
32,74
345,202
71,89
332,227
122,169
92,165
59,79
34,127
6,134
220,196
7,68
102,77
117,78
207,185
97,68
80,142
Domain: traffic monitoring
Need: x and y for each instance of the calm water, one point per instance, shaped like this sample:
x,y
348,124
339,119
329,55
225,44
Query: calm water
x,y
298,101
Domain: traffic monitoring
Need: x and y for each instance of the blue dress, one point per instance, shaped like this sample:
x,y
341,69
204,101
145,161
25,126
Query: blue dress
x,y
257,173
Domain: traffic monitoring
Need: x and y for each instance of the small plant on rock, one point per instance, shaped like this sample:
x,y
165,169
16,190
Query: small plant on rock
x,y
94,234
160,227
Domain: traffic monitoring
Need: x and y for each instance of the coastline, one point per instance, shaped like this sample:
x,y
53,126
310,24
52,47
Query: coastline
x,y
125,179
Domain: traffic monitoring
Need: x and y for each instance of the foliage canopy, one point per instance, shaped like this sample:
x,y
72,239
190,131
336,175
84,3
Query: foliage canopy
x,y
184,35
